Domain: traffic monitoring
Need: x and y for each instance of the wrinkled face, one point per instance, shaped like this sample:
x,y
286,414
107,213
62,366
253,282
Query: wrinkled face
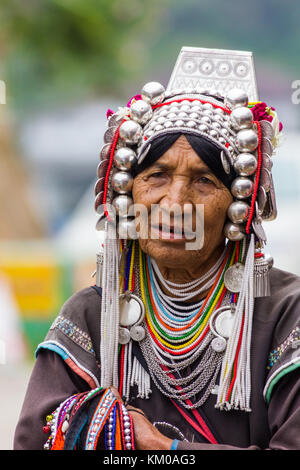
x,y
180,179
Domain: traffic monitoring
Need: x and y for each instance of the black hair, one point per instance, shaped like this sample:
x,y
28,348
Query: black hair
x,y
207,150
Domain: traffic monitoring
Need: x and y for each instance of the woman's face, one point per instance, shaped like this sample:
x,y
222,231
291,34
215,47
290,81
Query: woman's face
x,y
181,179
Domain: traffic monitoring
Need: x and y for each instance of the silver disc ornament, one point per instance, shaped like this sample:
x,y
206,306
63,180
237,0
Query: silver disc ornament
x,y
124,336
137,333
233,278
131,309
219,344
224,323
132,312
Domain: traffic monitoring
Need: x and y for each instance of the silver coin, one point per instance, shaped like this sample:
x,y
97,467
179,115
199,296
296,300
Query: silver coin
x,y
224,323
261,199
267,146
233,277
259,230
109,134
225,163
267,129
130,311
137,333
219,344
104,152
267,162
124,336
265,179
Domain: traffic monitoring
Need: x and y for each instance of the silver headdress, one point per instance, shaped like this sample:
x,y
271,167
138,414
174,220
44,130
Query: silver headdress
x,y
211,93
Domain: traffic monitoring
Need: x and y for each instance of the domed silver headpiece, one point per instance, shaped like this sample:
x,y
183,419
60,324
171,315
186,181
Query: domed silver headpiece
x,y
212,93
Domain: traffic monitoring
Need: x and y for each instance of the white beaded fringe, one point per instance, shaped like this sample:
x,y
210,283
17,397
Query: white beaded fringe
x,y
110,314
241,390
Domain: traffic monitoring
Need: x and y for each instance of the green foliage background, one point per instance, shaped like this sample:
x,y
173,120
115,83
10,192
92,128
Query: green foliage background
x,y
55,51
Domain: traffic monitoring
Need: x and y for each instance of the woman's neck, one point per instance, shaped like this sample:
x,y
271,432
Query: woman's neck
x,y
184,274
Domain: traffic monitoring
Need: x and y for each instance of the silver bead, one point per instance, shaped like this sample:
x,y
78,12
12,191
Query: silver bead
x,y
127,229
203,128
168,124
128,446
235,98
122,182
122,204
241,118
233,232
241,187
186,108
127,439
213,133
245,164
140,111
182,114
246,140
194,115
179,123
238,212
205,119
191,124
124,158
130,132
157,128
153,93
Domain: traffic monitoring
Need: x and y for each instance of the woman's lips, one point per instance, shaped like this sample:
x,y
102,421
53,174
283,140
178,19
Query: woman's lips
x,y
171,233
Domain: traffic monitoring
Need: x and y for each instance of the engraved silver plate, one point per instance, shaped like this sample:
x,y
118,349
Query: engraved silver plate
x,y
233,277
216,70
224,323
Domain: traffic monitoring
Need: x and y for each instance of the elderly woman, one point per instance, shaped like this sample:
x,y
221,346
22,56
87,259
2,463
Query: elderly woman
x,y
189,338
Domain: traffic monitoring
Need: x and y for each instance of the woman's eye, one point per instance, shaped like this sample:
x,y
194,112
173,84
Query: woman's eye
x,y
204,180
158,174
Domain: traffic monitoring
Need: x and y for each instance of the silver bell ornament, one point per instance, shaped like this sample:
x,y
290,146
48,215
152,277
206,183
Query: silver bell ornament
x,y
153,93
130,132
238,212
235,98
242,187
233,232
122,204
241,118
245,164
127,229
124,158
122,182
141,112
246,140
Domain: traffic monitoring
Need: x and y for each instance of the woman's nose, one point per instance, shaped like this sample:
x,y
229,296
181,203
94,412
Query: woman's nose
x,y
178,193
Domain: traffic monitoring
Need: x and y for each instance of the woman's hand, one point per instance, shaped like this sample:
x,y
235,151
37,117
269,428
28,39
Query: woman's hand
x,y
147,437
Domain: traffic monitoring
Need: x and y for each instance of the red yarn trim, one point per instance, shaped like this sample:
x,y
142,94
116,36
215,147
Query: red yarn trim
x,y
192,99
111,157
259,163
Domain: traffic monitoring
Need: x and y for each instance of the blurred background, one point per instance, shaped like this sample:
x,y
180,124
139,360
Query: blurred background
x,y
63,63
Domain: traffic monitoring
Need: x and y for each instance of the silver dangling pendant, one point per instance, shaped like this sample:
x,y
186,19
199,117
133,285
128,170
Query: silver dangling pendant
x,y
261,283
221,325
132,313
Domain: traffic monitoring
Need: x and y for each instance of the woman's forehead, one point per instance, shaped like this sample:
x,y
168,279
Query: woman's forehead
x,y
182,154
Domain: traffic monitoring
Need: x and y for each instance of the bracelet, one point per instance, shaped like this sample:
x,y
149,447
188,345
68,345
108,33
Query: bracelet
x,y
174,444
